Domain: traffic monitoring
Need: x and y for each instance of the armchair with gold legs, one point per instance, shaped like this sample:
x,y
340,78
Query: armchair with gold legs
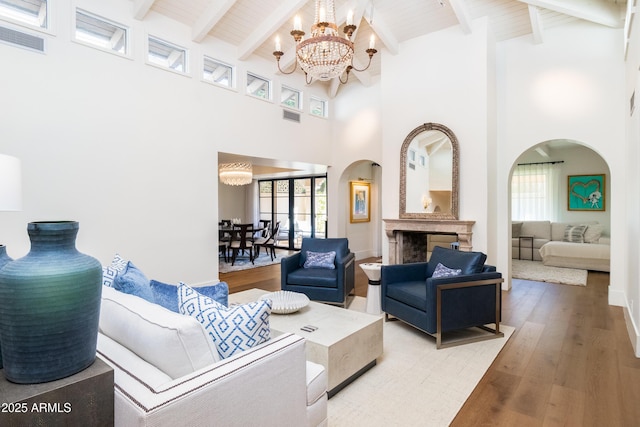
x,y
455,290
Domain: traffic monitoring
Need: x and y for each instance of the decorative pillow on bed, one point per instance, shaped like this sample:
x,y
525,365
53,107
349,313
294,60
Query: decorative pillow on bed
x,y
232,329
443,271
166,295
320,260
574,233
593,233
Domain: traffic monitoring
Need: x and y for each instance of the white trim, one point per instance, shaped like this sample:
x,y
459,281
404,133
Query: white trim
x,y
632,330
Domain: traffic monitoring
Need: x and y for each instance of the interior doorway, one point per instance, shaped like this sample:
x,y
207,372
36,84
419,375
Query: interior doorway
x,y
571,161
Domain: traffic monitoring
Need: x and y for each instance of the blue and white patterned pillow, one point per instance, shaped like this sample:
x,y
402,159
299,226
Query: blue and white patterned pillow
x,y
232,329
109,272
119,263
320,260
443,271
166,295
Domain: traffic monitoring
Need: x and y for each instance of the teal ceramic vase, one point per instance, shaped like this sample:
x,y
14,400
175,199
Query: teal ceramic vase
x,y
4,258
50,307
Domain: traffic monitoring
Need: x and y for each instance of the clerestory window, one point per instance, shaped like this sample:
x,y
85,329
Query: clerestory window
x,y
102,33
167,55
31,12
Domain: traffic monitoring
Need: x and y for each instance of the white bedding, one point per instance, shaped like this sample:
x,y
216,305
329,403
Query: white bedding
x,y
575,250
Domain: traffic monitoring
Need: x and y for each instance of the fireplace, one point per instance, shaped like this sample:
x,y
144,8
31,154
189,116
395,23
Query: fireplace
x,y
408,237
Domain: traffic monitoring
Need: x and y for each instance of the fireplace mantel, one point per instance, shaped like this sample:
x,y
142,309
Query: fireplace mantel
x,y
395,228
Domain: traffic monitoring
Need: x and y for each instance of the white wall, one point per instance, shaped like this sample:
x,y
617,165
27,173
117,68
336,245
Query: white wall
x,y
632,285
357,134
569,87
130,150
441,78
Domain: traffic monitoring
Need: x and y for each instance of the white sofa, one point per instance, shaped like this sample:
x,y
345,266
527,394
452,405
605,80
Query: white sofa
x,y
549,246
167,372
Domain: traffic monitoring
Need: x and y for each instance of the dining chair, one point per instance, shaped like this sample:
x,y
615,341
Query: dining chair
x,y
241,240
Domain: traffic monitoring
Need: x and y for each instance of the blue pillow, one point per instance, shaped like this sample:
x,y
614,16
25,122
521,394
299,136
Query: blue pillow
x,y
320,260
166,295
133,281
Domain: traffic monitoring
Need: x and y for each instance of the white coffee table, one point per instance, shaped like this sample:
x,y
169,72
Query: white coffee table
x,y
346,342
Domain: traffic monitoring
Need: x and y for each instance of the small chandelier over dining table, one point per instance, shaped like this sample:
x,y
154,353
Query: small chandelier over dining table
x,y
238,173
326,54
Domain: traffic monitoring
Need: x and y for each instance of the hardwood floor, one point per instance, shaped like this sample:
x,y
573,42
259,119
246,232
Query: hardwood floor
x,y
568,363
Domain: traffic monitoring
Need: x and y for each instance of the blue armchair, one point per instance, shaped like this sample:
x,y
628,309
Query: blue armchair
x,y
463,293
324,270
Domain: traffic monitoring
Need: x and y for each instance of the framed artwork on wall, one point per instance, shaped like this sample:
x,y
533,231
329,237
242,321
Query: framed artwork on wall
x,y
586,192
360,202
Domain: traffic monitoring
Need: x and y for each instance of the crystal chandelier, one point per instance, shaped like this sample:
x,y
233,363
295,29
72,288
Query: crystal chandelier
x,y
325,54
239,173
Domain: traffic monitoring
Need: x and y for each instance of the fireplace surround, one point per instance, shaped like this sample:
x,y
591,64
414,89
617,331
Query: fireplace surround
x,y
397,228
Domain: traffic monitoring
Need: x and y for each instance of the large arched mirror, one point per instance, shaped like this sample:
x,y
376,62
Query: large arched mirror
x,y
429,173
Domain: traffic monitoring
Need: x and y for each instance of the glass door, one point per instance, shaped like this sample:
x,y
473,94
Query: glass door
x,y
302,212
299,204
320,208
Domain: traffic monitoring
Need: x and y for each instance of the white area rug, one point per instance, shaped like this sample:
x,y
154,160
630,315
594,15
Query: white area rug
x,y
413,384
538,272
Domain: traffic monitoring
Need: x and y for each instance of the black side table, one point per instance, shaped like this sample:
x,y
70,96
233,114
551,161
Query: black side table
x,y
520,240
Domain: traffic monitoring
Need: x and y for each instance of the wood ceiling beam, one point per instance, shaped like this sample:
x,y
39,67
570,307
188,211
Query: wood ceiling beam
x,y
141,8
536,24
599,12
384,33
269,26
462,14
211,16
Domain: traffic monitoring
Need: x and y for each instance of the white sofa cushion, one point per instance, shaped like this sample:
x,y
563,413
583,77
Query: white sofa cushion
x,y
316,382
175,344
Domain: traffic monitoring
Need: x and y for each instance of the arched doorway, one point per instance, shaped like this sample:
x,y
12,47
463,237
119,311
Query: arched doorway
x,y
365,236
578,172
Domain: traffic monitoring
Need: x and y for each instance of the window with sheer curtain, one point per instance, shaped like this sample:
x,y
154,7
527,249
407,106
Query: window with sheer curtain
x,y
534,192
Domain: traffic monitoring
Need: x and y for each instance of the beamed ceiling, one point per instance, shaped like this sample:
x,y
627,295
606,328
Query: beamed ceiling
x,y
252,25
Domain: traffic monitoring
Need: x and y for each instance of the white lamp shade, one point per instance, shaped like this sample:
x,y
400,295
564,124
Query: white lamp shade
x,y
10,184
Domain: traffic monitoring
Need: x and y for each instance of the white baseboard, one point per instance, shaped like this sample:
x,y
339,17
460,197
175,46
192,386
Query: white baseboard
x,y
617,298
632,330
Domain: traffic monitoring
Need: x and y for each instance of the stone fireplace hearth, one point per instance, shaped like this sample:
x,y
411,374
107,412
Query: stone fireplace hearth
x,y
410,231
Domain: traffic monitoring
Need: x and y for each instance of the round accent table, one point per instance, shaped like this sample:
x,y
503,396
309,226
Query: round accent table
x,y
372,270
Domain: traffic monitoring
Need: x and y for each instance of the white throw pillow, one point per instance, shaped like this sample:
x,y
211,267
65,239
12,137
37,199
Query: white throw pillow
x,y
232,329
175,344
593,233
